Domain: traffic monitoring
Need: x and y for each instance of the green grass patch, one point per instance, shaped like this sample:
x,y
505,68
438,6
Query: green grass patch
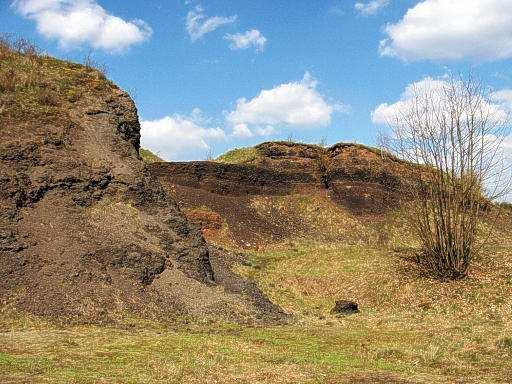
x,y
239,156
149,157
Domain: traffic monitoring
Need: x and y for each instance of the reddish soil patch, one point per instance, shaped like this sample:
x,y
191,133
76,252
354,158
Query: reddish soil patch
x,y
246,227
210,223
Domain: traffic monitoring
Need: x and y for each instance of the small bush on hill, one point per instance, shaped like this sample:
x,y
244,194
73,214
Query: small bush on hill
x,y
505,344
452,131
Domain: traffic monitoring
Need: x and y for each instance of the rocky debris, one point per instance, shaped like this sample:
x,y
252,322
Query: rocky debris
x,y
87,234
139,263
345,307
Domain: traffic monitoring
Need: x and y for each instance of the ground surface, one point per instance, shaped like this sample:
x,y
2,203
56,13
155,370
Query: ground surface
x,y
411,328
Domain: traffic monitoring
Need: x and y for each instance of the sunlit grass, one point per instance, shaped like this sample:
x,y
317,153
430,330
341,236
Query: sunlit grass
x,y
409,326
239,156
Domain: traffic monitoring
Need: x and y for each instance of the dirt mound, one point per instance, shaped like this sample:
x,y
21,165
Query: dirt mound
x,y
86,232
257,191
232,179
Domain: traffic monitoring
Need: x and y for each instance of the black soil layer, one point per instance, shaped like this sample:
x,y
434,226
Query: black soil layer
x,y
363,180
87,234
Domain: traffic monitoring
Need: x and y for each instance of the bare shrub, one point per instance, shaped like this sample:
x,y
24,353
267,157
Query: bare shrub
x,y
455,133
5,47
25,47
323,142
209,155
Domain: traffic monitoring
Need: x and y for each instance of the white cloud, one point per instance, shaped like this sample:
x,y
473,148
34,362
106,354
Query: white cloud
x,y
179,137
242,131
370,7
452,30
296,104
252,38
498,105
74,23
198,24
386,113
503,98
266,130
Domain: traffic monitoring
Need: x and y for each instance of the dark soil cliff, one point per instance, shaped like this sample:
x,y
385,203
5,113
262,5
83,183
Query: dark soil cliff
x,y
242,189
86,233
361,178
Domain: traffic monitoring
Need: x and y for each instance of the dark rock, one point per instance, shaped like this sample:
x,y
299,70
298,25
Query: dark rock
x,y
345,307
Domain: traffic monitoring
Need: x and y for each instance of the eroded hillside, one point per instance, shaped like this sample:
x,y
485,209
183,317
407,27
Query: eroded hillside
x,y
86,233
279,190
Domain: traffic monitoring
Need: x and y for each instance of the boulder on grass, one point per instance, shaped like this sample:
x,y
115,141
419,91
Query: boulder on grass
x,y
345,307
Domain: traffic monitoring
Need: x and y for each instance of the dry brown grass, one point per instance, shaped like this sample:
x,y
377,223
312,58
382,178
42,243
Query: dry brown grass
x,y
8,81
411,329
25,93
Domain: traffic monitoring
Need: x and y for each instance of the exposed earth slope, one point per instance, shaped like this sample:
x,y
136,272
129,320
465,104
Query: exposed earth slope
x,y
254,191
86,233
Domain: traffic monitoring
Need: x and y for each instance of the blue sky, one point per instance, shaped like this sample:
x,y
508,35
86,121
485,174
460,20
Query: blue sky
x,y
311,70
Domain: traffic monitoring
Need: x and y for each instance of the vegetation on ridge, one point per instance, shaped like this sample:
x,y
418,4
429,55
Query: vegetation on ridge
x,y
149,157
26,94
239,156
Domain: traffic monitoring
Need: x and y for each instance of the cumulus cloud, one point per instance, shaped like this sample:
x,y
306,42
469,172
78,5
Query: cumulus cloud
x,y
452,30
503,98
242,131
266,130
499,104
179,137
74,23
297,104
198,24
252,38
370,7
386,113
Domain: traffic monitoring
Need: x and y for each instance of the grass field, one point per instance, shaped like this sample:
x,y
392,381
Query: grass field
x,y
411,329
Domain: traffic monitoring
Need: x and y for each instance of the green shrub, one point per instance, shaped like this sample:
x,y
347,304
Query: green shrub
x,y
148,157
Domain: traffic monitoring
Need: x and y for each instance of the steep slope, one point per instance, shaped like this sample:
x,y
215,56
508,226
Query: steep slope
x,y
86,233
280,190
